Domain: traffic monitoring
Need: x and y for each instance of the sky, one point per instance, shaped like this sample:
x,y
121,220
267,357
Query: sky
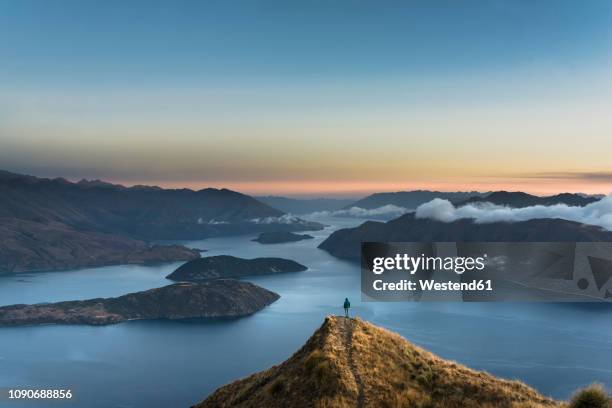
x,y
310,98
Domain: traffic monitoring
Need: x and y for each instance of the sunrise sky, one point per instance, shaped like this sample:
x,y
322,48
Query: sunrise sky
x,y
310,98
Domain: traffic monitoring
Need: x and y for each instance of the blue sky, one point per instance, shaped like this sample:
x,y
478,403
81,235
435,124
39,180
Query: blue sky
x,y
99,89
74,42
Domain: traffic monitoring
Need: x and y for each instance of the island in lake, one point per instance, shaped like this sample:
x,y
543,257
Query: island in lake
x,y
226,266
222,298
279,237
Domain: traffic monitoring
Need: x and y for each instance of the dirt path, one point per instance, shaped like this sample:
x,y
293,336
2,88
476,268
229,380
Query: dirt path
x,y
348,330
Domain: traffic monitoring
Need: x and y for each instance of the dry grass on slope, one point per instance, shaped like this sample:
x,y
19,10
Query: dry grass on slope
x,y
399,374
351,363
317,375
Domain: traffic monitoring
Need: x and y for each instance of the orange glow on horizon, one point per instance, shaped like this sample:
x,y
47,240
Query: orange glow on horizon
x,y
357,189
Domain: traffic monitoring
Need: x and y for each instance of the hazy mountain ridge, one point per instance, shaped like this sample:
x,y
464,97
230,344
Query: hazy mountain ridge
x,y
410,199
518,199
51,224
141,212
304,205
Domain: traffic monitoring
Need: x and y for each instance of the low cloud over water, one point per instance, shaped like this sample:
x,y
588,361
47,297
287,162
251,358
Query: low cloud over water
x,y
597,213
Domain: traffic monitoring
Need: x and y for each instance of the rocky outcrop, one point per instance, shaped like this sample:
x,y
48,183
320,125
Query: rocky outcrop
x,y
215,299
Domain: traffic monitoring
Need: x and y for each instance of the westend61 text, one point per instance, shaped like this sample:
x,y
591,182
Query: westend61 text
x,y
431,285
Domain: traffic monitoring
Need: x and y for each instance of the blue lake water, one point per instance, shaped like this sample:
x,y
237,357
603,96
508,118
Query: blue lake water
x,y
554,347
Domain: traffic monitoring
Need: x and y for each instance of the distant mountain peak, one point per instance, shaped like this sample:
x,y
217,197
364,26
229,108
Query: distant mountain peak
x,y
410,199
519,199
346,243
97,183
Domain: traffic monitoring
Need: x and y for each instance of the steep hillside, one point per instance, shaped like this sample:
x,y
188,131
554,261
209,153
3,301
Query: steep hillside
x,y
141,212
352,363
27,246
346,243
53,224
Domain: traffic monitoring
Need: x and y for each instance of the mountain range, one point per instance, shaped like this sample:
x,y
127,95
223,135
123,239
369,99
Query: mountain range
x,y
518,199
410,199
346,243
50,224
141,212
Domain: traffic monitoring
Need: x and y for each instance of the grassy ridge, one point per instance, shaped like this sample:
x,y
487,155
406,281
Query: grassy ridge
x,y
352,363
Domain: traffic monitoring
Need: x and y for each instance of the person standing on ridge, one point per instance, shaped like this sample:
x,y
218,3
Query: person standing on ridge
x,y
347,306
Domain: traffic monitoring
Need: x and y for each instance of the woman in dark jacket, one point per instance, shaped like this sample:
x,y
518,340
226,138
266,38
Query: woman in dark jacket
x,y
347,306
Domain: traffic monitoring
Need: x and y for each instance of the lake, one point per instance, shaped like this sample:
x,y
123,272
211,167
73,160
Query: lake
x,y
555,348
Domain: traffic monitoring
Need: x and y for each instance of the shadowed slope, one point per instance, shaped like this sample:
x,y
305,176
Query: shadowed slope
x,y
53,224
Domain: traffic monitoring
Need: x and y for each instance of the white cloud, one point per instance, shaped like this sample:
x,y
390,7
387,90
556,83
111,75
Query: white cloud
x,y
597,213
211,221
387,211
283,219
